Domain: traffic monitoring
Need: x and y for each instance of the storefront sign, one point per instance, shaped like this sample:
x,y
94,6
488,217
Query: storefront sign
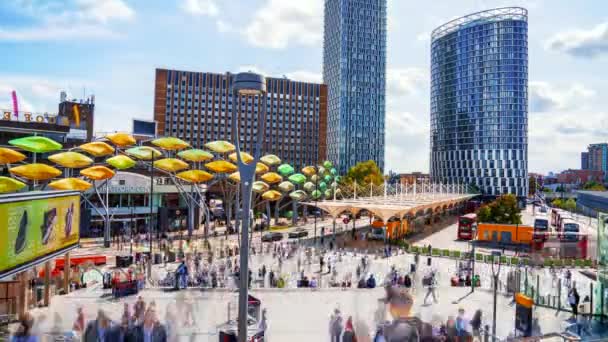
x,y
31,117
34,228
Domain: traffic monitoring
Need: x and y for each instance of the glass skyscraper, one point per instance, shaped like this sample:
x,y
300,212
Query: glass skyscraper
x,y
354,69
479,101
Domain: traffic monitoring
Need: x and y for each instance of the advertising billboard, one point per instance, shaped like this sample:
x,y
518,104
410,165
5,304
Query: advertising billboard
x,y
35,227
601,291
143,127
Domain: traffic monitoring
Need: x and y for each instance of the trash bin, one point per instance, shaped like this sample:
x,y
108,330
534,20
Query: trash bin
x,y
170,256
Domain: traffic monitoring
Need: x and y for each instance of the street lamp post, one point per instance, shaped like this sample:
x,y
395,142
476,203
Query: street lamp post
x,y
495,274
151,213
246,84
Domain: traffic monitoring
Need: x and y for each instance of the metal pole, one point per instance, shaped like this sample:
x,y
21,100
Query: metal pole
x,y
473,266
107,241
151,221
247,82
131,230
494,313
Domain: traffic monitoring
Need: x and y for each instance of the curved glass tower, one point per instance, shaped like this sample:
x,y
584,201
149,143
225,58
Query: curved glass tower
x,y
479,101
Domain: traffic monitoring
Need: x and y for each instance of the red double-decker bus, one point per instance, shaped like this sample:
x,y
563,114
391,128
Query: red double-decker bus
x,y
466,226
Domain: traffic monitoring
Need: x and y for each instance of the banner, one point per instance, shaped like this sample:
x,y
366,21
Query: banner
x,y
31,229
602,265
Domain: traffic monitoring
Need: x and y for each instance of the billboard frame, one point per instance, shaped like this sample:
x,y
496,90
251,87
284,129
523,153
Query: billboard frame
x,y
38,195
148,121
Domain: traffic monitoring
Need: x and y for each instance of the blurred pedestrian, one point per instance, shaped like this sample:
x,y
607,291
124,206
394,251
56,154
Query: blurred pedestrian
x,y
349,332
476,324
335,325
78,325
150,331
24,330
97,329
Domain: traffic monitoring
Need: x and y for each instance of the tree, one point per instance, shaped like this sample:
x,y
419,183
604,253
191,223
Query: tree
x,y
558,203
532,188
503,210
365,173
594,186
570,204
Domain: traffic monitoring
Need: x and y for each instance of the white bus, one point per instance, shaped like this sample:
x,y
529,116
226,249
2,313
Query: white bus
x,y
569,229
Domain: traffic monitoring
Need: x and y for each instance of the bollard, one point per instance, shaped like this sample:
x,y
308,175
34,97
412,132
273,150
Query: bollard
x,y
559,294
486,337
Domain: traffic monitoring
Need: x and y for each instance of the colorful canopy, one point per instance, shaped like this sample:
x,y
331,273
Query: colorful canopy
x,y
35,172
8,156
170,143
195,176
121,139
195,155
97,148
71,159
220,146
37,144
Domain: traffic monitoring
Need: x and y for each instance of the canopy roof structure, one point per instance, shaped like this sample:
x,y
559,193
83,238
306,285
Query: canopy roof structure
x,y
397,206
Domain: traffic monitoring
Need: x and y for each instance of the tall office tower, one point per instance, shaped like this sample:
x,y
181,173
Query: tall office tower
x,y
598,157
354,69
479,101
584,160
198,107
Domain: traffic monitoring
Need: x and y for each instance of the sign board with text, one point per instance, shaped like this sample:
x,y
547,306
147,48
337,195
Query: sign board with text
x,y
37,226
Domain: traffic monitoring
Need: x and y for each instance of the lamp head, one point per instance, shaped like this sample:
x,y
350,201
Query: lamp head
x,y
248,84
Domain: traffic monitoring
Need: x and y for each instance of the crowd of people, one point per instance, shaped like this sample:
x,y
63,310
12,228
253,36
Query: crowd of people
x,y
403,326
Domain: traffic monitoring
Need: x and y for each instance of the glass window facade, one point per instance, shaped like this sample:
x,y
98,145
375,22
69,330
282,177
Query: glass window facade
x,y
354,69
198,107
479,101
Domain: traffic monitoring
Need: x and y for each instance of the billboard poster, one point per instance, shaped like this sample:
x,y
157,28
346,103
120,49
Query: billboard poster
x,y
602,264
38,227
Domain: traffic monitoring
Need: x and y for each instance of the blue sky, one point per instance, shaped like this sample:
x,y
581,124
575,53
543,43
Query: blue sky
x,y
111,48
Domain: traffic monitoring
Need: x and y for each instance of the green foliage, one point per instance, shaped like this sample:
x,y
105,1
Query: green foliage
x,y
570,204
474,188
502,210
532,187
594,186
364,173
558,203
547,190
560,189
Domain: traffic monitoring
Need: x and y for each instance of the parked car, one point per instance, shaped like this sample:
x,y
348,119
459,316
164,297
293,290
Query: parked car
x,y
273,236
298,233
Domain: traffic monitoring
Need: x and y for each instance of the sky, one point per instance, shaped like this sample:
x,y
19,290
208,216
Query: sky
x,y
111,48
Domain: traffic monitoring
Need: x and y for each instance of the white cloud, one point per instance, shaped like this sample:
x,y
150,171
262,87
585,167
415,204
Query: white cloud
x,y
200,7
546,97
407,141
78,19
279,24
103,11
33,93
581,43
405,81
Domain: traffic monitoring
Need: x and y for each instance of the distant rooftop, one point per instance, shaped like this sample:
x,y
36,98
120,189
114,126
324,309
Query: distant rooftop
x,y
491,15
603,194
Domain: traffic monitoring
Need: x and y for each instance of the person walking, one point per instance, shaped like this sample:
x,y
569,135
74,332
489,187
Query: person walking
x,y
573,300
96,330
321,262
476,324
349,332
79,323
431,284
24,330
149,331
461,324
335,325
